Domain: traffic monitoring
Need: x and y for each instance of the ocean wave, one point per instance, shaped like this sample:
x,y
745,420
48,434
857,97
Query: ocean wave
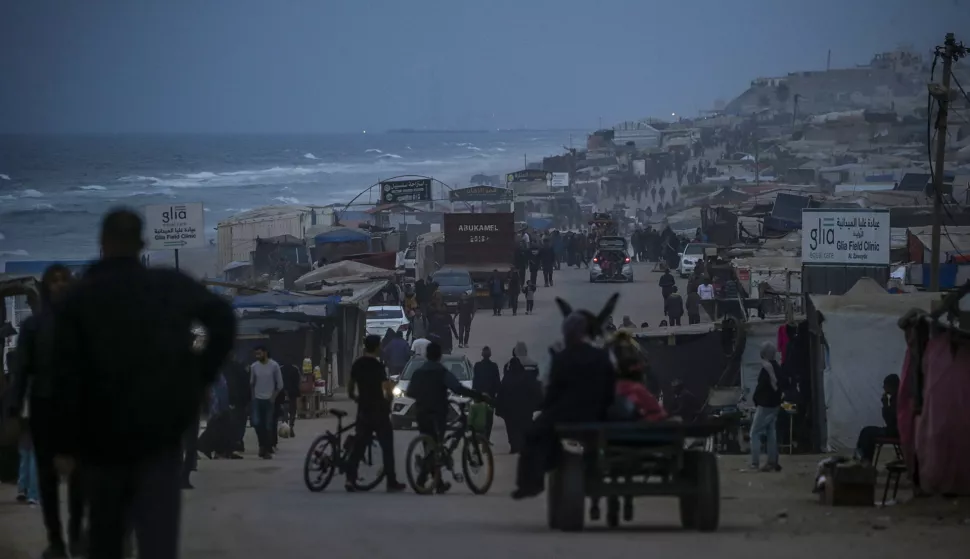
x,y
31,193
92,187
473,148
4,177
156,192
287,200
6,197
19,252
2,237
389,156
498,149
309,155
373,150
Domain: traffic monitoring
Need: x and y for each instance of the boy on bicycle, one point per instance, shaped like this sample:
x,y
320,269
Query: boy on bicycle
x,y
429,388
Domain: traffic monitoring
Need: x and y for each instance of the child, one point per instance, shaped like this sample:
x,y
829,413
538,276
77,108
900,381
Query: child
x,y
27,487
530,297
632,395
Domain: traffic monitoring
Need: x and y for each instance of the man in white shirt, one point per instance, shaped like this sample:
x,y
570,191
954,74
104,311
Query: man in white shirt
x,y
706,290
266,381
419,347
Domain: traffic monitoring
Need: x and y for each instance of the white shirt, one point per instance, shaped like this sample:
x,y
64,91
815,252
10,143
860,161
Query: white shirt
x,y
706,291
420,346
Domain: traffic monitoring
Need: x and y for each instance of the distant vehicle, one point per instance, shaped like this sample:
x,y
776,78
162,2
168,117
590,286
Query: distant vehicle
x,y
402,407
611,261
409,262
452,284
693,253
382,317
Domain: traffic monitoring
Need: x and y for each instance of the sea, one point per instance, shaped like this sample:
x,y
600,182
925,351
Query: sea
x,y
54,189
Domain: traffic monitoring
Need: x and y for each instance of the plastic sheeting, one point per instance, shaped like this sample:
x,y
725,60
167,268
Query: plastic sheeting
x,y
865,347
937,437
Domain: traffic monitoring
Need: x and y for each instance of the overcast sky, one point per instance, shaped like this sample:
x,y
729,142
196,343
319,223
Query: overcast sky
x,y
347,65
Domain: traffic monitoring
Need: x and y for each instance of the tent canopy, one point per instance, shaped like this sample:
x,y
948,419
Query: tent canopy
x,y
340,235
865,345
345,271
281,300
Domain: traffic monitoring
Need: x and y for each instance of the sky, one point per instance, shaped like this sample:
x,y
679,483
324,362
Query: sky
x,y
316,66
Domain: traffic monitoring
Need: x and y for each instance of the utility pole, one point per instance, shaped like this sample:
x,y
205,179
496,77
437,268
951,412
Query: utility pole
x,y
949,52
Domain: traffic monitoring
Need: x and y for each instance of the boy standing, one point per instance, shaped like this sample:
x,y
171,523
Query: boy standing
x,y
530,297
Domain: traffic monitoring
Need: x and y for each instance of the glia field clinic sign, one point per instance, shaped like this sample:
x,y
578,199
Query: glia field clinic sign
x,y
845,236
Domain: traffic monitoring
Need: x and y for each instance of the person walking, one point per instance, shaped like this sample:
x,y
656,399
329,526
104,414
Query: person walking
x,y
547,258
34,393
28,487
515,286
486,380
265,382
368,387
466,312
530,298
674,307
767,398
129,381
693,303
496,290
291,386
667,284
535,261
518,397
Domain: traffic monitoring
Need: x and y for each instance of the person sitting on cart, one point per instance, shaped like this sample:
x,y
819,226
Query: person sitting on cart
x,y
634,400
429,388
582,382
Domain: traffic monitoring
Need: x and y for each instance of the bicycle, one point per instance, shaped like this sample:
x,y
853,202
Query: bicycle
x,y
330,452
425,457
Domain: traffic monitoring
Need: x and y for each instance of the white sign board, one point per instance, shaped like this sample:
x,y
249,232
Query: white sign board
x,y
845,236
174,226
639,167
558,180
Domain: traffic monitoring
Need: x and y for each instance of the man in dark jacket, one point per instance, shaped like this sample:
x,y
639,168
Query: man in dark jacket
x,y
581,386
522,259
240,394
429,388
466,312
667,283
767,398
535,260
130,381
487,381
693,303
291,385
34,381
547,258
496,290
674,307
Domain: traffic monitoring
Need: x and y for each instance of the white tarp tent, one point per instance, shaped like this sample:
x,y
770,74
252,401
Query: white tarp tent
x,y
865,344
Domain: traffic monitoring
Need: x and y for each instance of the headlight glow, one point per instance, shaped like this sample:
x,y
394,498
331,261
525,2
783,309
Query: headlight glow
x,y
397,392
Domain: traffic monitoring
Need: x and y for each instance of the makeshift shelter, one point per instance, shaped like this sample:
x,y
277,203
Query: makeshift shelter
x,y
333,243
345,271
934,398
858,343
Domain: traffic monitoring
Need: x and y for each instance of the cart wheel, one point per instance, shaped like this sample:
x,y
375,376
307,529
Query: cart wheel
x,y
701,510
612,512
553,497
572,497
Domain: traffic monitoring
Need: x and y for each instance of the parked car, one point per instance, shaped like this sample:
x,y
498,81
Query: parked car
x,y
611,262
692,254
382,317
402,407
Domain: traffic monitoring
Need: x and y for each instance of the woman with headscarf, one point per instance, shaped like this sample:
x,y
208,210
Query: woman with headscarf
x,y
518,397
767,398
866,446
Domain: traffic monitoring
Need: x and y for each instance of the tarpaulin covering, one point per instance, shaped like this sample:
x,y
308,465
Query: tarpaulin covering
x,y
281,300
341,235
936,440
698,362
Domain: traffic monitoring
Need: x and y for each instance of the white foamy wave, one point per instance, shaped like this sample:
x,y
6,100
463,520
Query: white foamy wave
x,y
463,144
473,148
373,150
4,177
93,187
309,155
498,149
389,156
31,193
6,197
14,253
204,175
156,192
407,147
2,237
287,200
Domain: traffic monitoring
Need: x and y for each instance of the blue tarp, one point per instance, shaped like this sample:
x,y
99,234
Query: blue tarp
x,y
280,299
541,223
342,236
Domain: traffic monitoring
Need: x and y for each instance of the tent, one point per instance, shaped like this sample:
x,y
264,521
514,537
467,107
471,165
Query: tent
x,y
865,344
345,271
341,235
284,301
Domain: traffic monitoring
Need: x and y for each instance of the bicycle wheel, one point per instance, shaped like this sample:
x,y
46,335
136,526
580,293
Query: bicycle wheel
x,y
320,463
477,460
419,464
370,471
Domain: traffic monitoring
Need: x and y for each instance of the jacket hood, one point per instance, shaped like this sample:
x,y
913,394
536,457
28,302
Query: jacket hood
x,y
521,350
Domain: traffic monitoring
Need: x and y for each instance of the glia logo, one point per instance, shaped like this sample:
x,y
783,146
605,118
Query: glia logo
x,y
823,233
174,213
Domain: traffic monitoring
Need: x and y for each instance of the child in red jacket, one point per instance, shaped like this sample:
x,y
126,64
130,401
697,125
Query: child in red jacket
x,y
631,367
